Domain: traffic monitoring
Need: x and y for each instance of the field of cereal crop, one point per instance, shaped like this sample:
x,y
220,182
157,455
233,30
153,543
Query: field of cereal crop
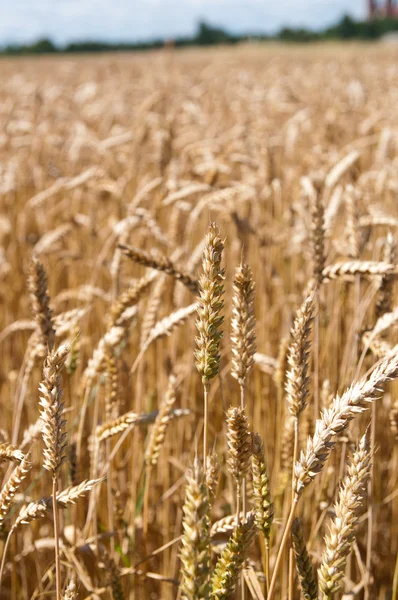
x,y
198,324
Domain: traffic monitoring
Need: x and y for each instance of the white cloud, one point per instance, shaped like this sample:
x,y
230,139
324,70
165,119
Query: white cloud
x,y
63,20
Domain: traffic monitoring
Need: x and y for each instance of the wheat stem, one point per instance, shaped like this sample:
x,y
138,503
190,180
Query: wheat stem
x,y
295,455
369,541
3,560
316,357
266,566
206,387
394,583
148,472
285,537
56,537
244,482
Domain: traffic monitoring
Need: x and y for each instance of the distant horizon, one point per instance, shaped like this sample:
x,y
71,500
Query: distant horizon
x,y
69,21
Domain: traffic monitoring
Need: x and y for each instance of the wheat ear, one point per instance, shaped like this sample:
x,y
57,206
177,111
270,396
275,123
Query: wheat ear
x,y
70,592
266,364
195,551
317,235
131,419
152,225
263,506
378,347
152,307
239,441
229,564
40,301
297,380
384,322
209,319
72,463
73,493
385,295
52,410
164,327
342,528
129,298
159,428
347,270
161,263
227,524
336,418
37,510
31,512
304,566
243,335
11,453
377,221
11,486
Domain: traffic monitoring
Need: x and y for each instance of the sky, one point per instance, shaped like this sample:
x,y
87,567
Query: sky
x,y
132,20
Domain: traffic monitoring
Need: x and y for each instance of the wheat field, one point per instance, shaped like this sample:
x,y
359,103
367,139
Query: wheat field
x,y
198,324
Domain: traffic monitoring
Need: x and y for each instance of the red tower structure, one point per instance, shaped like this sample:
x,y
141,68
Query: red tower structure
x,y
371,9
377,11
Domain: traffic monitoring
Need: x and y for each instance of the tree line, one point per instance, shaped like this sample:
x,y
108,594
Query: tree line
x,y
207,35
